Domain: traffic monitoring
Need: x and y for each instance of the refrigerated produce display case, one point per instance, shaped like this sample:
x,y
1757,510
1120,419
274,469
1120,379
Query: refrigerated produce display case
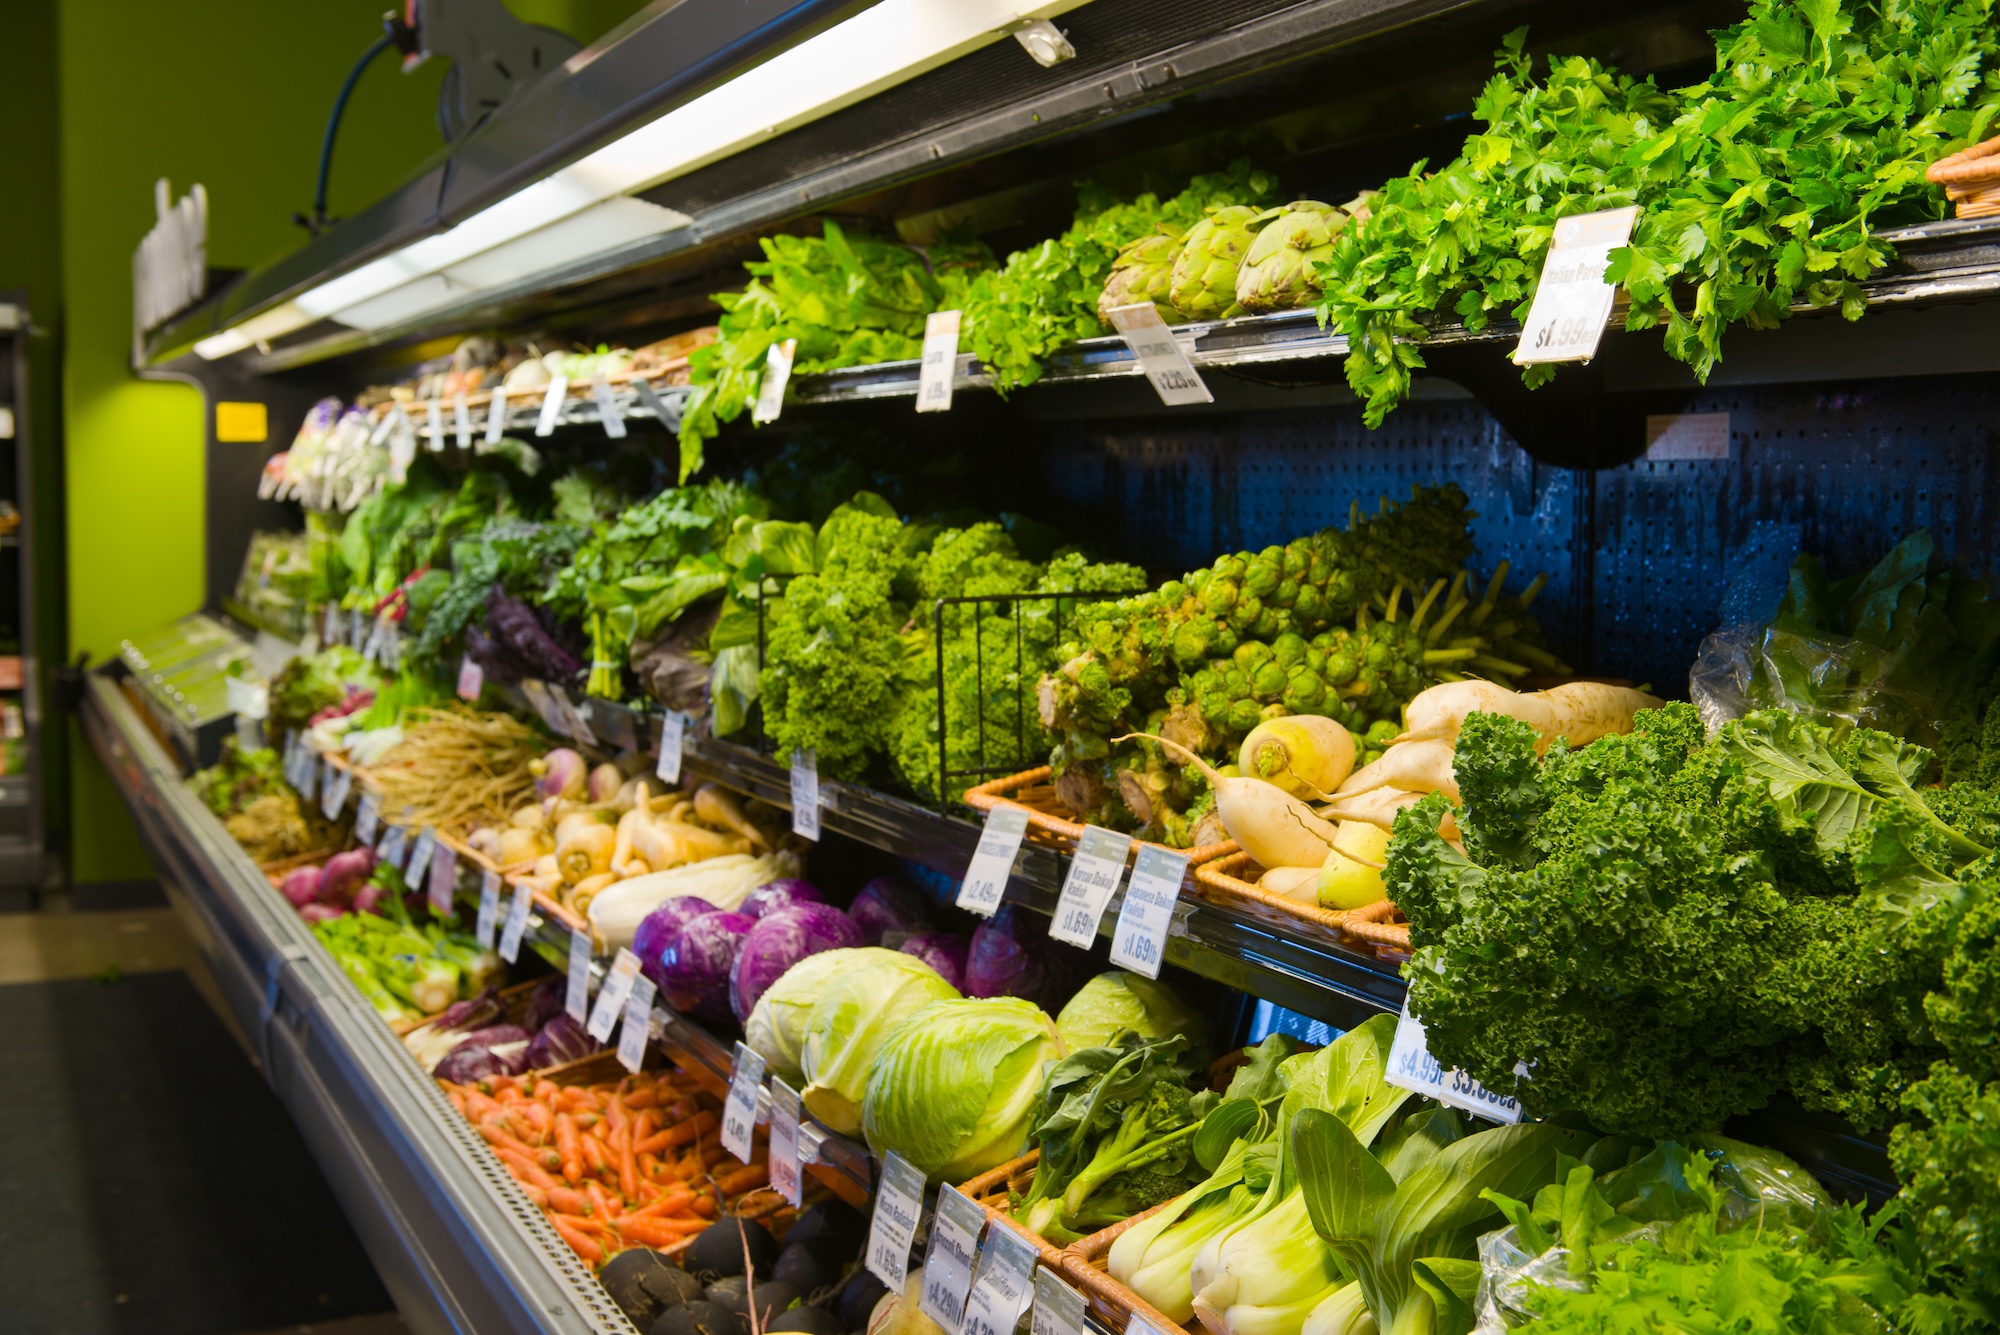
x,y
1454,537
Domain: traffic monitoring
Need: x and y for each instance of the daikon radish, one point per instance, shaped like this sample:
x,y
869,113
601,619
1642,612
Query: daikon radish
x,y
1272,826
1581,711
1414,767
1380,807
1300,883
1304,754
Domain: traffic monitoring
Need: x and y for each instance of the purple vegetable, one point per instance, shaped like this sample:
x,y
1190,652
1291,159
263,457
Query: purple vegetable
x,y
321,913
944,951
659,928
472,1013
561,1040
344,873
1010,959
696,964
522,638
886,904
545,1003
367,897
782,938
301,886
471,1062
777,894
495,1035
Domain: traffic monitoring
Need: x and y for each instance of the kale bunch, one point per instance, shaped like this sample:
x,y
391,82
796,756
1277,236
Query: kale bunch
x,y
1660,932
516,554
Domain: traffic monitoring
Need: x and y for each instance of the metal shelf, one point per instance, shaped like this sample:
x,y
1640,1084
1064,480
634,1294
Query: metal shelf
x,y
457,1244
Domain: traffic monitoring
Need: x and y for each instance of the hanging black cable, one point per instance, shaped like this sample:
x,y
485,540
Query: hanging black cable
x,y
395,33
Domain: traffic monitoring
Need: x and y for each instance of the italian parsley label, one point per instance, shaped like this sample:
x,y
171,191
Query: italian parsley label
x,y
1573,303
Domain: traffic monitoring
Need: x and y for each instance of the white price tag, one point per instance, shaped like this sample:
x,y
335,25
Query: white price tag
x,y
402,443
805,795
394,848
434,424
993,861
739,1110
517,925
552,406
496,415
673,737
1573,302
771,385
461,421
577,1000
372,648
787,1173
611,997
574,725
668,414
1139,941
955,1230
608,411
368,819
335,785
899,1200
940,361
1005,1284
419,861
638,1027
307,772
544,705
357,628
383,424
444,878
489,908
1093,878
471,679
1160,354
1058,1307
1411,1066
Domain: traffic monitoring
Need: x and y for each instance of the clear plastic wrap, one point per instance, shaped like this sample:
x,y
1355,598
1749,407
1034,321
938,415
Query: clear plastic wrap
x,y
1827,678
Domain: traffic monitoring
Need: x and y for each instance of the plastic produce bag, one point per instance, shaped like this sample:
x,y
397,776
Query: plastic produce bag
x,y
1827,678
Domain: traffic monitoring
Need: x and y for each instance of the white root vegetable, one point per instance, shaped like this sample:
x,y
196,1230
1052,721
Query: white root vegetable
x,y
585,851
1304,754
1379,808
1580,711
1300,883
617,911
719,807
1272,826
1416,767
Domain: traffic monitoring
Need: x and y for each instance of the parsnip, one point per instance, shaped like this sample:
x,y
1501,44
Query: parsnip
x,y
1415,767
585,851
719,807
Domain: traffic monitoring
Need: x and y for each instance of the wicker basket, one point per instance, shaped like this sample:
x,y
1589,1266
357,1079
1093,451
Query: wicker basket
x,y
1110,1302
1230,880
1049,825
991,1192
1971,179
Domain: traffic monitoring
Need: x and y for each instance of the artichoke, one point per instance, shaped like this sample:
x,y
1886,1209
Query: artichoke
x,y
1144,271
1277,274
1204,284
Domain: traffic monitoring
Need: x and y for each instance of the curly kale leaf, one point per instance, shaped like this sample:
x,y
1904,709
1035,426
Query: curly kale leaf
x,y
1501,789
521,556
1949,1165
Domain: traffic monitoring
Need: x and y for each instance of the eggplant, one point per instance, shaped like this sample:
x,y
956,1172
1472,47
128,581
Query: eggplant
x,y
807,1321
699,1318
719,1249
646,1283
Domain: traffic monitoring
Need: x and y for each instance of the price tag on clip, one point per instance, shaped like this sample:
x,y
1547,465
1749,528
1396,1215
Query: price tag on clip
x,y
434,424
608,411
1058,1307
517,926
552,406
1093,878
739,1110
1005,1284
787,1172
805,795
1160,354
1411,1066
444,878
471,678
394,848
611,997
771,387
489,908
1140,940
419,856
1573,302
673,738
496,415
577,1000
934,373
461,421
993,861
899,1200
638,1027
335,785
955,1230
668,414
368,819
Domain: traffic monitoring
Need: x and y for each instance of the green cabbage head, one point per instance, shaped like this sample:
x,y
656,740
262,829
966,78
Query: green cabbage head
x,y
1117,1000
954,1089
776,1029
858,1008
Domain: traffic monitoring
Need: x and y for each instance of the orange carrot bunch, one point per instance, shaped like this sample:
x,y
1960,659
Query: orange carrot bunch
x,y
626,1163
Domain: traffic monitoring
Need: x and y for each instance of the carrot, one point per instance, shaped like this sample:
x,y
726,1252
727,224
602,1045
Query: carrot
x,y
549,1158
477,1105
706,1204
581,1245
569,1147
601,1200
499,1137
675,1200
658,1232
643,1098
739,1180
649,1166
539,1118
565,1201
680,1134
713,1155
594,1154
628,1166
526,1169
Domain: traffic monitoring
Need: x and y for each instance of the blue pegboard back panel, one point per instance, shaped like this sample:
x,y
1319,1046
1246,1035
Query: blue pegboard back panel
x,y
1640,558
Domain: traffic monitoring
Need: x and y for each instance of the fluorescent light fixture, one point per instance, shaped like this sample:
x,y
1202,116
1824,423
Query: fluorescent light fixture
x,y
274,323
585,209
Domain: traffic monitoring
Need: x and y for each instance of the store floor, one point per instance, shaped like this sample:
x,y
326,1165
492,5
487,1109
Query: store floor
x,y
150,1183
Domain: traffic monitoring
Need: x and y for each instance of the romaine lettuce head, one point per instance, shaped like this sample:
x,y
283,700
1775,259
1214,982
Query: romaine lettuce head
x,y
1114,1001
954,1089
776,1029
857,1009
